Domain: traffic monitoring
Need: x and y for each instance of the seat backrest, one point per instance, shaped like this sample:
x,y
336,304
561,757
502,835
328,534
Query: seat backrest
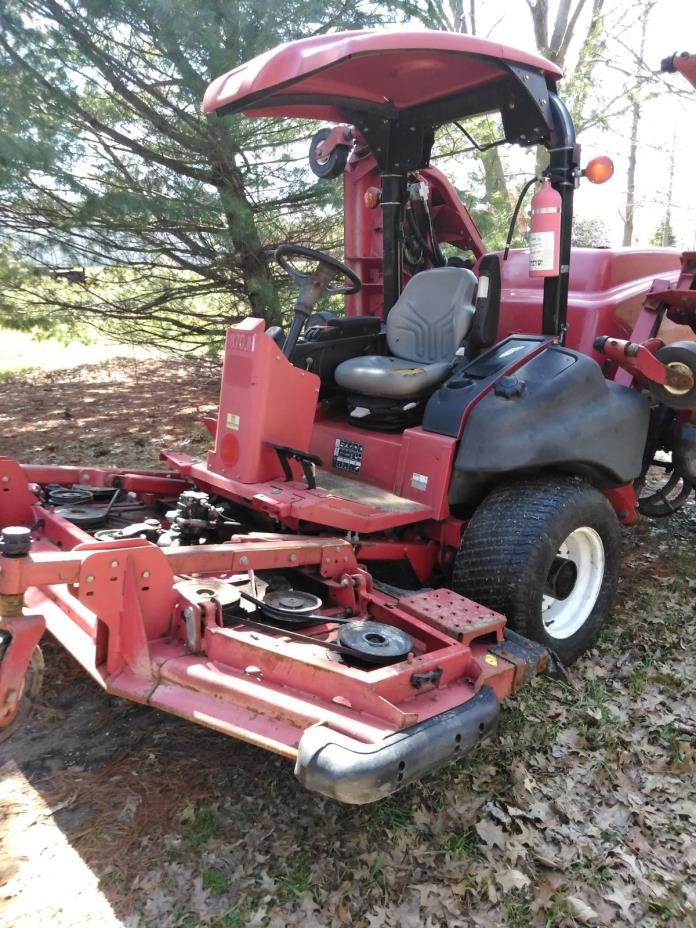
x,y
432,316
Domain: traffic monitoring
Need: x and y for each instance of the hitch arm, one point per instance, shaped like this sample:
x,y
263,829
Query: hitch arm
x,y
637,359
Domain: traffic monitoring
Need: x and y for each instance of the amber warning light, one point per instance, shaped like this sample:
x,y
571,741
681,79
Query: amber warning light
x,y
372,197
599,170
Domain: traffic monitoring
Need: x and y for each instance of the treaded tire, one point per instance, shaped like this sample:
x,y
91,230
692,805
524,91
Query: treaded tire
x,y
509,546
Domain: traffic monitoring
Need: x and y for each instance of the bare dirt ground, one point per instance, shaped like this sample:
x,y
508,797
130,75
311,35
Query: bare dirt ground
x,y
581,812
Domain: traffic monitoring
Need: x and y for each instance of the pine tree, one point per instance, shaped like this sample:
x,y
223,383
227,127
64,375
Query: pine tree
x,y
663,236
106,160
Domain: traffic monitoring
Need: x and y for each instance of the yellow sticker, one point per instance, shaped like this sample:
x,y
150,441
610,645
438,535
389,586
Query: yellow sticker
x,y
490,659
232,421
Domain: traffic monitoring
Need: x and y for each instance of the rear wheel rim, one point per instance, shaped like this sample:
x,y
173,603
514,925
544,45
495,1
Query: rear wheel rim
x,y
562,618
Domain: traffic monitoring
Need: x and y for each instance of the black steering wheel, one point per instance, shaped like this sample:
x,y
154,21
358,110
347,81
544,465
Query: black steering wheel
x,y
313,286
328,269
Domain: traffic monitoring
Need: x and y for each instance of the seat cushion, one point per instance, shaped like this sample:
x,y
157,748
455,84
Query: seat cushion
x,y
376,375
433,315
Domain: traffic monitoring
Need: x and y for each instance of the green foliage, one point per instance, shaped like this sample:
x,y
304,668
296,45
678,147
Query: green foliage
x,y
590,232
492,180
14,274
202,828
215,881
664,236
107,162
28,300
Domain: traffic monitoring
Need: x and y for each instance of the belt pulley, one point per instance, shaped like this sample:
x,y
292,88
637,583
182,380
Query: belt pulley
x,y
363,642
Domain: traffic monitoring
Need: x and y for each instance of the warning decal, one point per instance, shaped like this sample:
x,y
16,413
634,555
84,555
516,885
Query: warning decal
x,y
541,251
348,455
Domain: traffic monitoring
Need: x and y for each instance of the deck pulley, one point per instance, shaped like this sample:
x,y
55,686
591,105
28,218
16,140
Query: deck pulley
x,y
375,643
290,603
205,589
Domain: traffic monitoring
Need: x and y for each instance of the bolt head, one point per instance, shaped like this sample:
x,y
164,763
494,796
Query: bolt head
x,y
113,564
244,560
146,574
292,558
90,578
11,697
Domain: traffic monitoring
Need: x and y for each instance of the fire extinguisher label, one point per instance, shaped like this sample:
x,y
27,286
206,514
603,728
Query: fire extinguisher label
x,y
541,251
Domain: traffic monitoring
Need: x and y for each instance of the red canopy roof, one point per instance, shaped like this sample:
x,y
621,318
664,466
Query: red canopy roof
x,y
375,72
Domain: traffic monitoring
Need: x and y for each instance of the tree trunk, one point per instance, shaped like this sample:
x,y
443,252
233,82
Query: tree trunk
x,y
630,209
631,177
667,238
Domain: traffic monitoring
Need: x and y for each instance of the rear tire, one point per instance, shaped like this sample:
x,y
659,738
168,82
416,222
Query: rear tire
x,y
512,550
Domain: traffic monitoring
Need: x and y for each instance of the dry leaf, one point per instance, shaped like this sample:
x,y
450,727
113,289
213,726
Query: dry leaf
x,y
512,879
620,897
491,835
584,913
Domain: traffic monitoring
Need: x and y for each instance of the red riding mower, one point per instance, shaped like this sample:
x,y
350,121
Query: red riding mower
x,y
470,438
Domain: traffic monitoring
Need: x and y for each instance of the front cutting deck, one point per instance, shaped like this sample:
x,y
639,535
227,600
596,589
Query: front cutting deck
x,y
141,620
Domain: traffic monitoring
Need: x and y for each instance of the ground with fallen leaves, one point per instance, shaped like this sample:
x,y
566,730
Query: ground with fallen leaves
x,y
581,812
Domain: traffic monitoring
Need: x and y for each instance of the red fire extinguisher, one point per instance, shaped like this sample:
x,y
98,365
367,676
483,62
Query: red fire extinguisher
x,y
545,232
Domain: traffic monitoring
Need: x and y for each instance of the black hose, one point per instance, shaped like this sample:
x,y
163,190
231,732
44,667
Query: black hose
x,y
418,235
513,221
440,259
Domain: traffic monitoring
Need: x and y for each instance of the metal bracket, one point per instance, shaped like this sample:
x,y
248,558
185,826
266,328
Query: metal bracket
x,y
432,677
527,657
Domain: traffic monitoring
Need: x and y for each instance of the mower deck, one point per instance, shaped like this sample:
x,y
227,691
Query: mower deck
x,y
141,620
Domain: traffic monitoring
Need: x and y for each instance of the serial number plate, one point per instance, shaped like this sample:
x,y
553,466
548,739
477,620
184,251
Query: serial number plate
x,y
348,455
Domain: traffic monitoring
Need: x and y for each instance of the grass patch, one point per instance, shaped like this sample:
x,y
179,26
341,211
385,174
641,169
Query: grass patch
x,y
465,844
668,907
202,828
215,881
387,816
518,911
592,872
298,878
231,919
7,373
